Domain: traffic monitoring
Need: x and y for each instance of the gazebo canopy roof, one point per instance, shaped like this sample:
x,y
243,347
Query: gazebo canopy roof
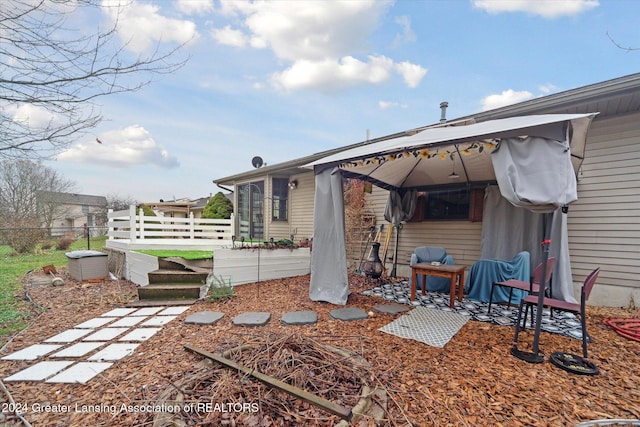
x,y
446,155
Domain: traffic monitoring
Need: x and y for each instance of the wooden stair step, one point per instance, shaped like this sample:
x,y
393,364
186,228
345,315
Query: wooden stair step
x,y
169,291
185,276
160,302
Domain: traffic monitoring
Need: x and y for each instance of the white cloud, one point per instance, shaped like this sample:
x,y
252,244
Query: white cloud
x,y
411,73
32,116
330,75
131,146
407,34
385,105
507,97
544,8
310,30
194,7
320,40
230,37
141,26
547,89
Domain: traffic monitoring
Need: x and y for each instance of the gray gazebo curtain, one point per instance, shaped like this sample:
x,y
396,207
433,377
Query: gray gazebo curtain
x,y
401,205
507,230
329,279
537,174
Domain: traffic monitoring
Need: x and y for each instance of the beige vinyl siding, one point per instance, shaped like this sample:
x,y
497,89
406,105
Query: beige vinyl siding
x,y
276,229
461,239
604,223
301,206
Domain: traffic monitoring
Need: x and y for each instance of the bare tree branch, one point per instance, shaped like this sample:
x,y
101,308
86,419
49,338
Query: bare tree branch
x,y
50,76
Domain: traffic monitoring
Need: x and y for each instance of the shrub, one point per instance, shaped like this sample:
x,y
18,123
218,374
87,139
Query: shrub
x,y
218,207
284,243
63,243
146,210
24,240
219,288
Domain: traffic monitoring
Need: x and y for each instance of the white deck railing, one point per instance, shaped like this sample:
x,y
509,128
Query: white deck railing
x,y
134,230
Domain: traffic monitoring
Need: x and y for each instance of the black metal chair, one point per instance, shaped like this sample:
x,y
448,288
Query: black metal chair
x,y
532,286
560,305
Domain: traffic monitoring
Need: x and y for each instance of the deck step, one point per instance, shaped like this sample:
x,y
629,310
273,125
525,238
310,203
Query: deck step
x,y
169,291
185,276
160,302
201,265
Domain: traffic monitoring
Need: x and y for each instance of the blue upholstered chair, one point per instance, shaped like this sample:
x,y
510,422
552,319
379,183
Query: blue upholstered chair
x,y
485,272
432,254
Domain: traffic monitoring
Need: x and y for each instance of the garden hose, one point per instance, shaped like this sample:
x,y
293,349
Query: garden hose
x,y
628,328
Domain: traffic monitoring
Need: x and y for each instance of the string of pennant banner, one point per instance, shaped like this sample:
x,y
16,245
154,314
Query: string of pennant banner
x,y
422,153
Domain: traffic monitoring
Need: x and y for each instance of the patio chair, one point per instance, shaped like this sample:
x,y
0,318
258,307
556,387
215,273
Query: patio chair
x,y
532,286
432,254
560,305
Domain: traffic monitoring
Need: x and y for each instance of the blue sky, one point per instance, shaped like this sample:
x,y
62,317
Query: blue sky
x,y
286,79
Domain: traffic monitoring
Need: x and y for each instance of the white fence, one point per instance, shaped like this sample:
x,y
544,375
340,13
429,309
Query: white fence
x,y
131,230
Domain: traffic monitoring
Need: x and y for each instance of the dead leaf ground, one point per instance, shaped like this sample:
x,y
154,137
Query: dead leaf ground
x,y
472,381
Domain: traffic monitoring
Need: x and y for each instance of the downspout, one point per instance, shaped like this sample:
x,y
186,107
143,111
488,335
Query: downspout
x,y
224,188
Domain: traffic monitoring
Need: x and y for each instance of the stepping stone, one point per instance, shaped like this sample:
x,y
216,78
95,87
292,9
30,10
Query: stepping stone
x,y
158,320
127,321
119,312
80,372
173,311
95,323
299,318
348,314
32,352
147,311
39,371
69,335
204,318
78,349
140,334
252,318
114,352
390,308
105,334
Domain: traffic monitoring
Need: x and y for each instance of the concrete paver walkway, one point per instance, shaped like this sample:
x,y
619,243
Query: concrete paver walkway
x,y
89,348
79,354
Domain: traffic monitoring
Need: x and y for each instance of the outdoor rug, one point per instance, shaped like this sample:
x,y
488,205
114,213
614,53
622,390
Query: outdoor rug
x,y
562,323
427,325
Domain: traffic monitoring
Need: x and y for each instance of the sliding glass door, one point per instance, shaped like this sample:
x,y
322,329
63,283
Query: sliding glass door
x,y
251,210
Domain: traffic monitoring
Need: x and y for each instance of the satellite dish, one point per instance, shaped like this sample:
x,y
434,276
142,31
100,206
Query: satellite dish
x,y
257,162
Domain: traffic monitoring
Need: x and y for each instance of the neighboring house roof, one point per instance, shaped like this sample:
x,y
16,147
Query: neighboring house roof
x,y
174,206
200,203
183,205
611,97
73,198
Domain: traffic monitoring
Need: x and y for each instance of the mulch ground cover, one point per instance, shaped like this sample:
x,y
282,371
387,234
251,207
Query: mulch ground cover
x,y
472,381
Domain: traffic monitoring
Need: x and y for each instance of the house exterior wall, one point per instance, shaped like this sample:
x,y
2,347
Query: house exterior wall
x,y
301,206
73,216
461,239
604,223
299,221
278,229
